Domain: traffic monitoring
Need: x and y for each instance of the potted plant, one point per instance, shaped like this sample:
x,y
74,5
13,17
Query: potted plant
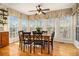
x,y
38,29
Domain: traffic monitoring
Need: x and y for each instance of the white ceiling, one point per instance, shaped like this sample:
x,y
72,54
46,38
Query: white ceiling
x,y
26,7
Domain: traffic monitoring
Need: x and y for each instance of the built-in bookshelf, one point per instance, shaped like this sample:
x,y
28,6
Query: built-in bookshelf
x,y
3,18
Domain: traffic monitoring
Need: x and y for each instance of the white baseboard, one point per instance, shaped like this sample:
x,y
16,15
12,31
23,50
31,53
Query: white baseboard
x,y
76,43
13,40
65,41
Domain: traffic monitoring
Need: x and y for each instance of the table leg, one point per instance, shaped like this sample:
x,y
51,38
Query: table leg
x,y
48,47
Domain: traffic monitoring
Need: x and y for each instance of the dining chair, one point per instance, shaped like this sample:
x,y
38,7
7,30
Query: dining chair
x,y
52,37
27,40
37,40
51,40
44,31
20,38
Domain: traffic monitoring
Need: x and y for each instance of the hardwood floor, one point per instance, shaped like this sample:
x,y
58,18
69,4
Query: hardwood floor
x,y
60,49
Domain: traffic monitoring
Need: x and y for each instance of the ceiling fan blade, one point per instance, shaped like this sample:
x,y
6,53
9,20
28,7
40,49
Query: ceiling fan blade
x,y
33,11
44,13
45,9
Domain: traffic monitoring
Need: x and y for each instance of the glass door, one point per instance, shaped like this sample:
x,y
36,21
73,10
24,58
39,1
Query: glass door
x,y
65,28
13,28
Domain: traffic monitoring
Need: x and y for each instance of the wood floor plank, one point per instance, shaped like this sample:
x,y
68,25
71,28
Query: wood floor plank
x,y
60,49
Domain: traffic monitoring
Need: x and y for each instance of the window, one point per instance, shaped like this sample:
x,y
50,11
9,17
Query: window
x,y
24,24
13,26
50,25
43,24
65,27
32,24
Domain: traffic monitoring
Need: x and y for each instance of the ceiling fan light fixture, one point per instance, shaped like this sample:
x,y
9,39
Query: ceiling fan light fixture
x,y
39,10
39,13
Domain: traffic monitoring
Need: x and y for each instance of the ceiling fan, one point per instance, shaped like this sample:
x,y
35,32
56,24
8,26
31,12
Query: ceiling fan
x,y
39,10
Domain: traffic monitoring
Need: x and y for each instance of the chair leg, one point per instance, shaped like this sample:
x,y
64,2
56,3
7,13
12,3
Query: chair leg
x,y
34,49
20,45
48,48
24,48
51,45
30,48
41,49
